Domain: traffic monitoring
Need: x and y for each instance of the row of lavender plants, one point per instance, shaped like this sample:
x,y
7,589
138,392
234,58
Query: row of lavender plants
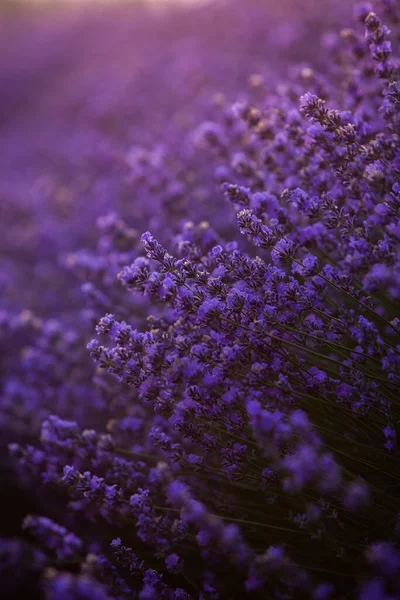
x,y
230,431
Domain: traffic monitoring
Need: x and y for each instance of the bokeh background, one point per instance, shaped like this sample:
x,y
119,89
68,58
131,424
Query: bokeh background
x,y
84,82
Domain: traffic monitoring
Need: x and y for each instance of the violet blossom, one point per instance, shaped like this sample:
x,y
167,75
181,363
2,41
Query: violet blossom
x,y
200,386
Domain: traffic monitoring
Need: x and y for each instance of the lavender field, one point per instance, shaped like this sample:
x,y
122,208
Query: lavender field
x,y
199,300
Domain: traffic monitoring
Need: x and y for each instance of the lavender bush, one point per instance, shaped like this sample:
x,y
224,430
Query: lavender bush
x,y
210,409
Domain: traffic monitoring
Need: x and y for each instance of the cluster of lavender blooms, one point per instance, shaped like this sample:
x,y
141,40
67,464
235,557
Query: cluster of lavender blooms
x,y
99,143
231,431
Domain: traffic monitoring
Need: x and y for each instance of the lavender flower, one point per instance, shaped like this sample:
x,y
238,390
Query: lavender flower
x,y
231,430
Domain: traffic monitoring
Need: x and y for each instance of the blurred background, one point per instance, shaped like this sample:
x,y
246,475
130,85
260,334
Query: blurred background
x,y
82,82
72,68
